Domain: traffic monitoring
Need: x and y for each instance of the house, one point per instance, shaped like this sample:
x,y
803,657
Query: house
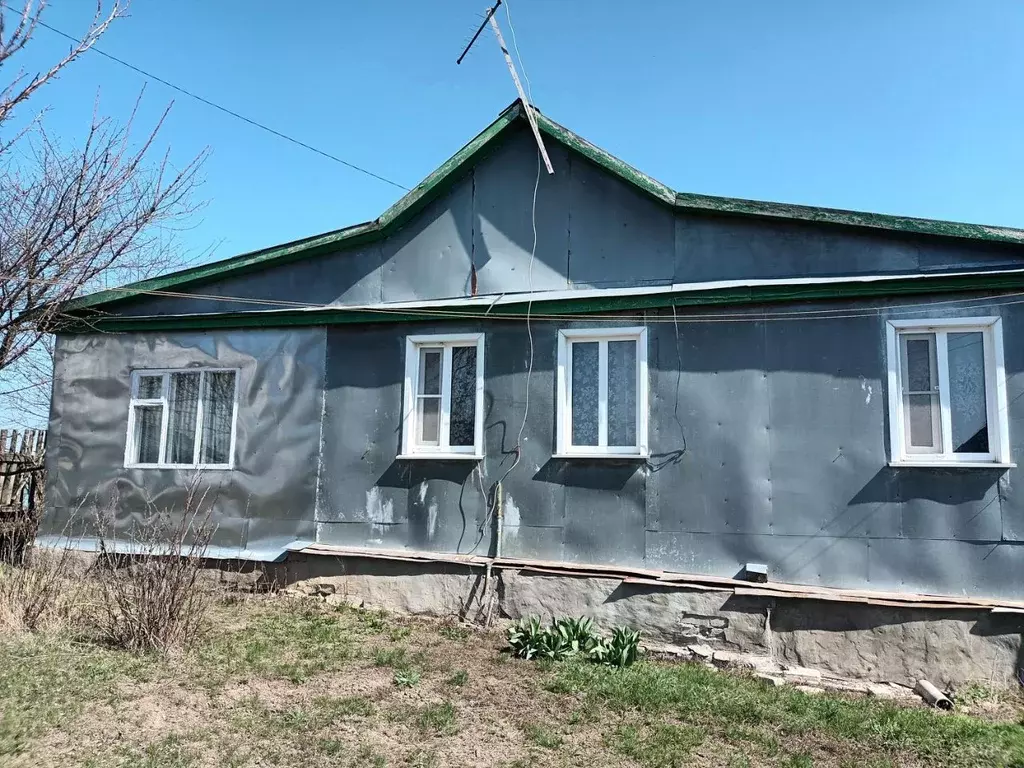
x,y
586,368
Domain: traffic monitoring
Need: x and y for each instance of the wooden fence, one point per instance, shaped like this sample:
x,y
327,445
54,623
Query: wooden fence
x,y
22,454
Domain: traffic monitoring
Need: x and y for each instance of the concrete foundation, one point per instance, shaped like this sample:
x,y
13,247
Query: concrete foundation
x,y
849,640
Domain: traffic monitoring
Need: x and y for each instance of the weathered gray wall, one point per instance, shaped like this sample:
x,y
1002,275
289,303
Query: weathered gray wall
x,y
592,231
260,506
769,435
768,438
770,445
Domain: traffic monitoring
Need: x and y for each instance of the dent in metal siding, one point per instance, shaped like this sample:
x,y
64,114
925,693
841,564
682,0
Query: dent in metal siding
x,y
617,237
280,374
503,234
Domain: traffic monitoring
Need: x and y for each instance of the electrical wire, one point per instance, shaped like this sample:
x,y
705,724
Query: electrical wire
x,y
492,503
515,45
215,105
489,314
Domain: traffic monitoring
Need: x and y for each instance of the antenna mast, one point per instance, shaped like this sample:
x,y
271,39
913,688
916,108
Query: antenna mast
x,y
490,18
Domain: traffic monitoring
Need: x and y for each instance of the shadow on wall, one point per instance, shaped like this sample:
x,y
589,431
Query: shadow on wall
x,y
953,486
598,475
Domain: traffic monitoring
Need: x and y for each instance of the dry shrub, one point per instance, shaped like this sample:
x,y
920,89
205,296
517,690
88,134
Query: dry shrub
x,y
44,593
153,598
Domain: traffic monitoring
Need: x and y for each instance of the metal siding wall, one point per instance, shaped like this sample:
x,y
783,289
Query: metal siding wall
x,y
769,445
431,256
368,497
729,248
346,277
592,229
617,237
503,188
708,385
827,414
263,504
768,435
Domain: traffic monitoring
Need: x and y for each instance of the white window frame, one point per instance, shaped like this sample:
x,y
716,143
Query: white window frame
x,y
162,401
446,342
566,338
995,393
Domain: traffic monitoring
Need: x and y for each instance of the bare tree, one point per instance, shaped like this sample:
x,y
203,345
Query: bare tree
x,y
75,218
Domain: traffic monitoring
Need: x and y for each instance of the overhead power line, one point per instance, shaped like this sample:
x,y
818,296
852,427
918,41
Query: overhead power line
x,y
825,313
225,110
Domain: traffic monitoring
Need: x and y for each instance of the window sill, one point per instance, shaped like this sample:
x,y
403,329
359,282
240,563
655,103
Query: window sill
x,y
947,464
602,455
183,467
440,457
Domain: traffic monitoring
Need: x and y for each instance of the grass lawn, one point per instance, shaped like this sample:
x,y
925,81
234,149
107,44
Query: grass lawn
x,y
282,682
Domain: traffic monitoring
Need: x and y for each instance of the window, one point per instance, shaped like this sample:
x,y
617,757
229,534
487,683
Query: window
x,y
947,393
602,392
182,418
444,387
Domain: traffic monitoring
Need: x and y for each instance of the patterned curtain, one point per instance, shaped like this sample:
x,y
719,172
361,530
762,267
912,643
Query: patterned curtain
x,y
218,403
183,402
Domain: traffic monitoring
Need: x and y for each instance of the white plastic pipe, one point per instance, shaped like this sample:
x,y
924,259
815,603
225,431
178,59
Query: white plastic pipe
x,y
933,695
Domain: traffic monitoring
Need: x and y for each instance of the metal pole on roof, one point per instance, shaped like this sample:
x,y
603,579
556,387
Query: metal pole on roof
x,y
527,108
522,96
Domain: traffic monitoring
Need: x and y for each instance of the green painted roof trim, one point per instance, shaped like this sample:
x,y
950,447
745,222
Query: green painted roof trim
x,y
393,218
568,307
438,182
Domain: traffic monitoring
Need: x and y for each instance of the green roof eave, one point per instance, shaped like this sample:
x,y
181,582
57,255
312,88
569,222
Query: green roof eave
x,y
394,217
569,308
455,167
705,204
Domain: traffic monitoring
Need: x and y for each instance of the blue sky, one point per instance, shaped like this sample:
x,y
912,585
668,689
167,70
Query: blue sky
x,y
911,107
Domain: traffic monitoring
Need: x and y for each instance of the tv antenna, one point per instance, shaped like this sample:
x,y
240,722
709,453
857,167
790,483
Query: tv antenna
x,y
489,18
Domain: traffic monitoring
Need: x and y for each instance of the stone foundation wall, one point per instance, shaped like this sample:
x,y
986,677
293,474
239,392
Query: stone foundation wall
x,y
851,640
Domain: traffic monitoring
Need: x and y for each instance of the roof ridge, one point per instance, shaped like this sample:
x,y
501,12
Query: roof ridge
x,y
452,169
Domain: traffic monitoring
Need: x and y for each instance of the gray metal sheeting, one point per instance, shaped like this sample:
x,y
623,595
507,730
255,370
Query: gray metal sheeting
x,y
768,439
769,436
592,231
262,504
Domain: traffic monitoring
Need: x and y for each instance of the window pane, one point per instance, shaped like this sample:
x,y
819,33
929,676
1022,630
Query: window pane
x,y
428,419
922,420
150,387
218,404
462,429
919,364
584,392
147,433
183,404
622,393
967,392
430,371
